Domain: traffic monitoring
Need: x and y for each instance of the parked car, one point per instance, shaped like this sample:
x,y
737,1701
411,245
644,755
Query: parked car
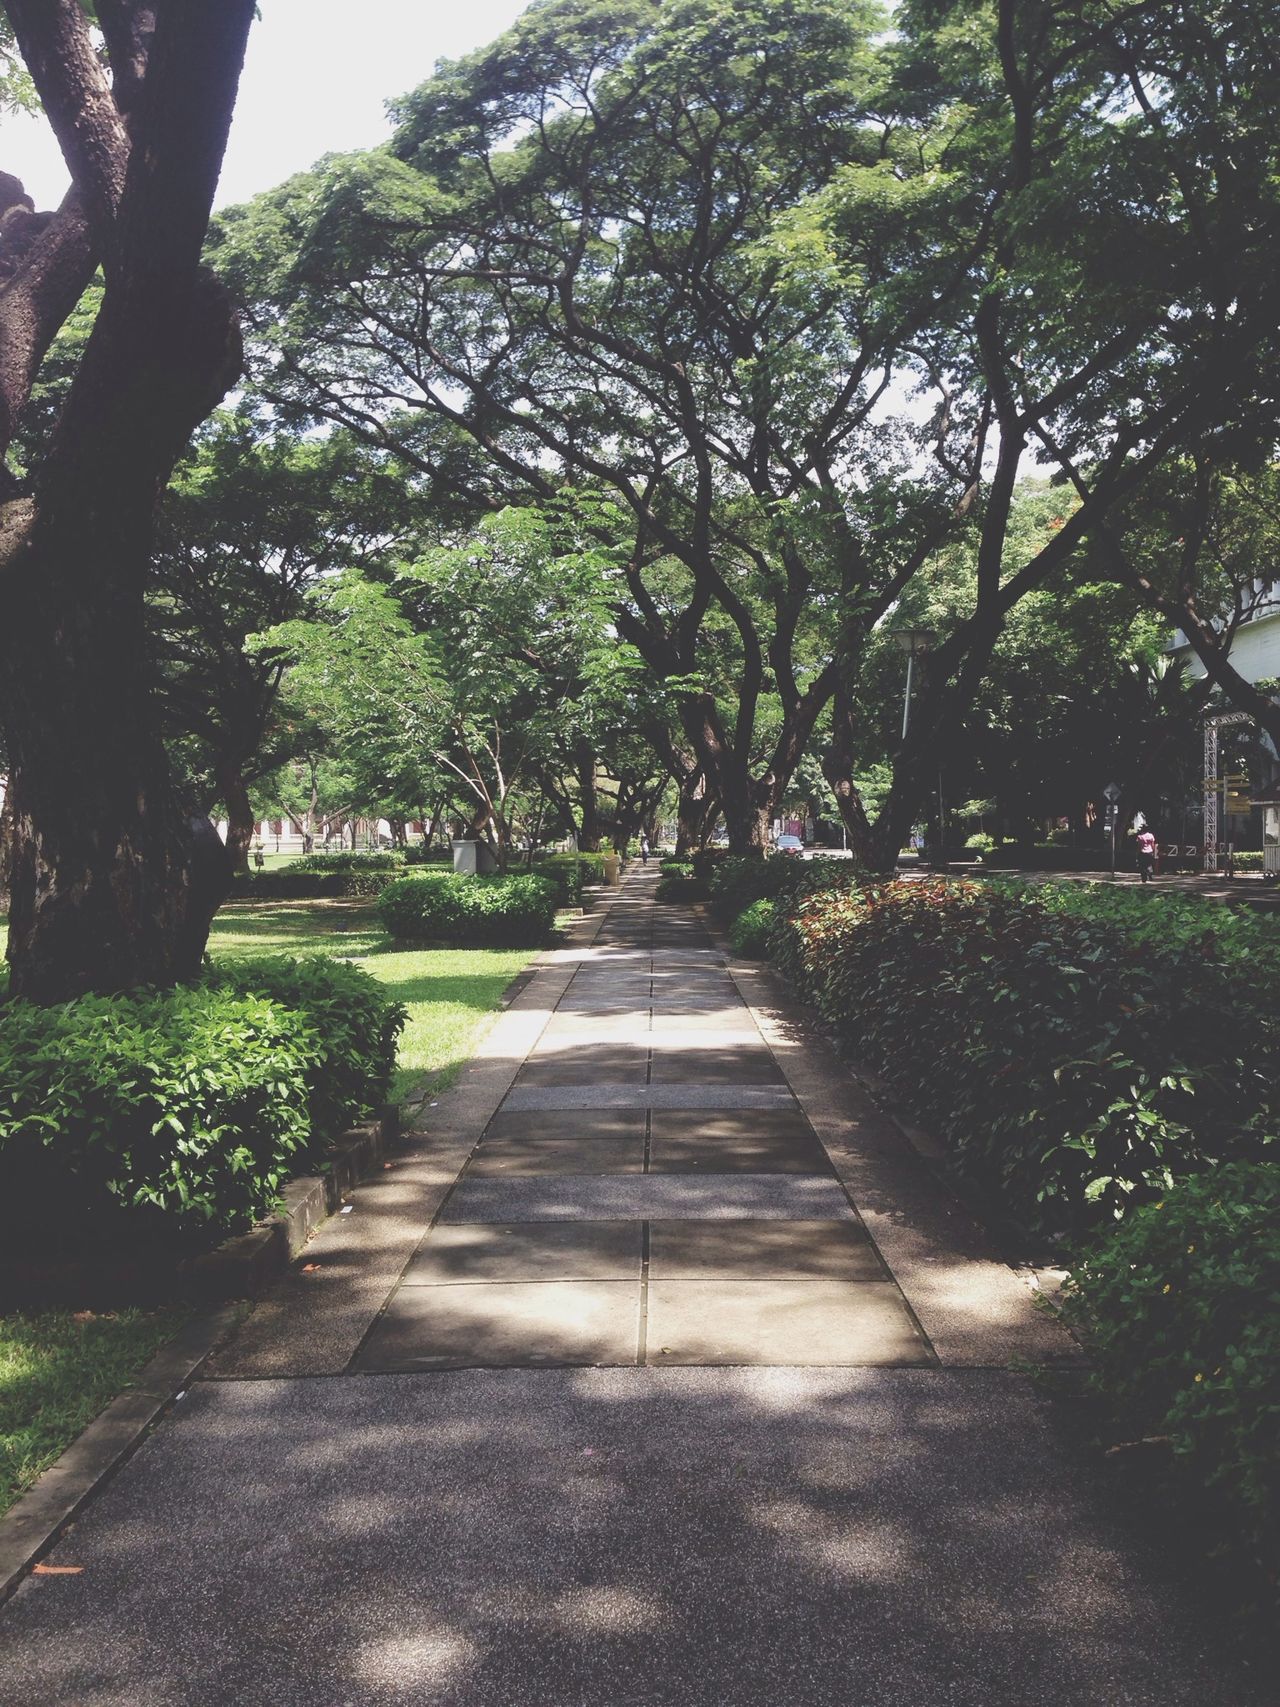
x,y
788,845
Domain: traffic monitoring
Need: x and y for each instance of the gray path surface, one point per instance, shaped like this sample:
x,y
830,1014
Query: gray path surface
x,y
657,1371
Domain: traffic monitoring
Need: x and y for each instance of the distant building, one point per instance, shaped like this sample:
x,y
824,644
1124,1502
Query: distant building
x,y
1255,653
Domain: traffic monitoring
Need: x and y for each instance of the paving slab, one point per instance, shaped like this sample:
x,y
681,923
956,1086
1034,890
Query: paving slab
x,y
762,1250
505,1324
611,1538
554,1250
649,1197
765,1153
500,1157
649,1096
620,1066
568,1123
742,1066
747,1124
809,1323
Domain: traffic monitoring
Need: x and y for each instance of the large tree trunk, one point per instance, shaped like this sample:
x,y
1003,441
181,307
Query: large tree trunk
x,y
591,828
240,818
695,814
112,883
837,767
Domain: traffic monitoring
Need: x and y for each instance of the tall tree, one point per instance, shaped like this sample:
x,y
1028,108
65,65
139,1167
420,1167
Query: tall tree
x,y
251,520
1112,172
106,887
564,262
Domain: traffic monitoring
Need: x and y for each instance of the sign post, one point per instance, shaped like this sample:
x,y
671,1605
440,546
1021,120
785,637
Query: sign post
x,y
1111,794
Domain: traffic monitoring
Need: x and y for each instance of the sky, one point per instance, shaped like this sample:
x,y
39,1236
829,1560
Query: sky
x,y
314,83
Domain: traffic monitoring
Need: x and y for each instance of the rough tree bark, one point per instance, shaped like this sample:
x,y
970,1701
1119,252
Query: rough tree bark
x,y
241,822
108,888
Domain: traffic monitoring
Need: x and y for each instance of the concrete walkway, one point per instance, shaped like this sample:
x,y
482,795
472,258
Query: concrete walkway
x,y
657,1371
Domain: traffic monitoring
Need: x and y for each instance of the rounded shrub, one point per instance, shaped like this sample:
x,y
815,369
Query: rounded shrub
x,y
323,877
752,930
1181,1308
498,911
1077,1048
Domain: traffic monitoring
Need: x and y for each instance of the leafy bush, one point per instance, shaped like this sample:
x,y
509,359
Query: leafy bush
x,y
1180,1306
750,933
979,843
734,883
350,1011
1077,1049
186,1109
492,911
320,877
1251,861
181,1113
680,883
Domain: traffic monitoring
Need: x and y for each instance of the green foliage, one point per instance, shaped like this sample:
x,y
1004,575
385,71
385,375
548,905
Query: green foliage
x,y
324,877
979,843
1077,1049
752,930
570,873
182,1113
680,883
186,1110
57,1372
564,871
733,884
1181,1305
350,1011
494,911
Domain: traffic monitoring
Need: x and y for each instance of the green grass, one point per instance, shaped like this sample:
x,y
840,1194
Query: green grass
x,y
57,1371
448,991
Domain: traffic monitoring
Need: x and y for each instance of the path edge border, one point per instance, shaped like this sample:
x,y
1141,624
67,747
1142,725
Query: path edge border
x,y
38,1519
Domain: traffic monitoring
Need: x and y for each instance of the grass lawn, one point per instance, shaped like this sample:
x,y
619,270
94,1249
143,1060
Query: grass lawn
x,y
448,991
57,1371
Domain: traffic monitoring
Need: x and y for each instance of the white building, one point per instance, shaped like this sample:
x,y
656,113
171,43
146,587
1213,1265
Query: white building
x,y
1255,653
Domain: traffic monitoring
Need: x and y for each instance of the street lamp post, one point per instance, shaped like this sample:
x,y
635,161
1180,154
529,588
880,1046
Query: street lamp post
x,y
915,642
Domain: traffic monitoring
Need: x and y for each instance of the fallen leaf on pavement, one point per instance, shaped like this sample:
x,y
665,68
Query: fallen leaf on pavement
x,y
56,1570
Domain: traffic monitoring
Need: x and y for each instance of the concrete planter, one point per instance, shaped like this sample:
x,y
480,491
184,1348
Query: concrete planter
x,y
244,1264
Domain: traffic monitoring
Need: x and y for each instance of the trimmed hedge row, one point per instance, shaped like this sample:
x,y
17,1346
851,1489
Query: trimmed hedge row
x,y
1109,1062
485,911
323,877
734,882
180,1114
752,930
1077,1050
1181,1307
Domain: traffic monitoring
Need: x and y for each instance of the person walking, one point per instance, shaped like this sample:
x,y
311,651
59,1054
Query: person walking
x,y
644,850
1146,853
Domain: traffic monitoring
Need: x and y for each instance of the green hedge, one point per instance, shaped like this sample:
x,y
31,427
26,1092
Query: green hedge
x,y
1077,1048
323,877
490,911
1181,1309
570,873
349,1010
180,1114
752,930
734,882
679,882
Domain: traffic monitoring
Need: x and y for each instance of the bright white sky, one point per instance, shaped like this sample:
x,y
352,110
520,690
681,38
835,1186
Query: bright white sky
x,y
314,83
